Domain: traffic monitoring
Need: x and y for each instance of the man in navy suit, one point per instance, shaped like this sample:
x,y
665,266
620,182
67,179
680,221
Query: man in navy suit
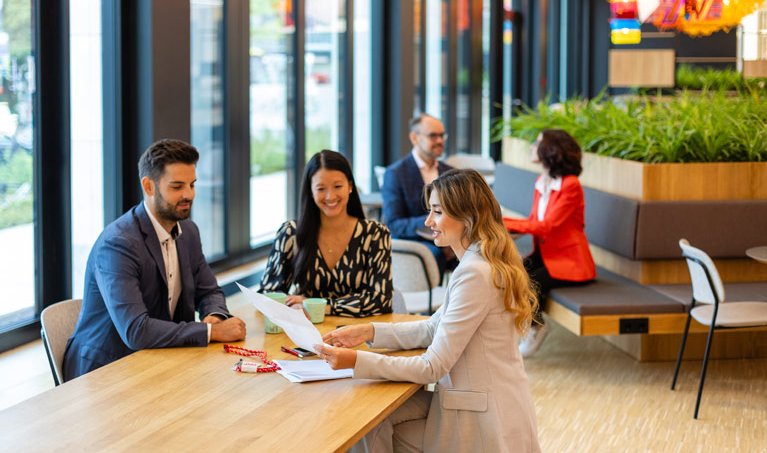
x,y
404,208
146,274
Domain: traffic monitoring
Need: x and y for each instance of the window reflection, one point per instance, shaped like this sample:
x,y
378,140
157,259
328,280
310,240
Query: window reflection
x,y
325,27
17,85
271,30
207,101
87,144
363,94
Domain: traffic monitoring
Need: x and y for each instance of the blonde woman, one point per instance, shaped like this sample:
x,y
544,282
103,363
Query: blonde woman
x,y
482,400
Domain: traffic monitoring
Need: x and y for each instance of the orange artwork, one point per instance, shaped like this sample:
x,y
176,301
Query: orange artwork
x,y
701,17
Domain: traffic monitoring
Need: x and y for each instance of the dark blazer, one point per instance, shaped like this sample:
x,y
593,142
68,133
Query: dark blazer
x,y
404,210
125,305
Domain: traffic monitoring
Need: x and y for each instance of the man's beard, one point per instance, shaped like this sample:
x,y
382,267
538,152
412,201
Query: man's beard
x,y
169,212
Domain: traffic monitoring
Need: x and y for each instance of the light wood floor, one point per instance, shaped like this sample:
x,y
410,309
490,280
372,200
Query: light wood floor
x,y
590,397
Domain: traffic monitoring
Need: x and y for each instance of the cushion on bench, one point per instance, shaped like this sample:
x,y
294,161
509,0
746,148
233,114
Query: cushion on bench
x,y
611,294
724,229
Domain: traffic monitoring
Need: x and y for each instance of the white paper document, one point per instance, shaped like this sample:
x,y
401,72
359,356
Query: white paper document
x,y
310,370
294,322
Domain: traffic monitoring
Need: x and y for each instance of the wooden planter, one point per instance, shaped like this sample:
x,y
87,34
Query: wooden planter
x,y
659,182
664,182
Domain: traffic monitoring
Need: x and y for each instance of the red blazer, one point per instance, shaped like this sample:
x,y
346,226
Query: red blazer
x,y
560,236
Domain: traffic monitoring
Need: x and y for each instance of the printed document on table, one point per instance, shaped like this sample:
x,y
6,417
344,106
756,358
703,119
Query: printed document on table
x,y
310,370
294,322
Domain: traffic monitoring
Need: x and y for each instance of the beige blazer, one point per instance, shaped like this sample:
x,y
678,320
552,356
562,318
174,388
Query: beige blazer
x,y
482,400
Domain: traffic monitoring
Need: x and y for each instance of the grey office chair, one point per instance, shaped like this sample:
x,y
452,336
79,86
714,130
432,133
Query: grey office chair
x,y
714,311
398,302
379,172
58,322
416,274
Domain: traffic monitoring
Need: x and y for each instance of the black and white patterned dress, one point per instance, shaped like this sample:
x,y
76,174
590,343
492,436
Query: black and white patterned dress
x,y
358,286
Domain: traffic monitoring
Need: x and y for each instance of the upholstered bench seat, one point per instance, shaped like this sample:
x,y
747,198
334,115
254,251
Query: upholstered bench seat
x,y
611,294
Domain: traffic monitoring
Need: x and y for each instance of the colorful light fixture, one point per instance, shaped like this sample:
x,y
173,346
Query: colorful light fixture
x,y
624,22
701,17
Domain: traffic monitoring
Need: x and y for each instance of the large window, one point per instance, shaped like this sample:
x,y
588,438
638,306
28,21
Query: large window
x,y
363,94
325,28
271,139
87,143
17,86
436,58
207,102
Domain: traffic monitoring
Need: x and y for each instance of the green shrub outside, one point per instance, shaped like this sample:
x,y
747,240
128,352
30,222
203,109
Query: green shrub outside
x,y
268,149
15,171
707,126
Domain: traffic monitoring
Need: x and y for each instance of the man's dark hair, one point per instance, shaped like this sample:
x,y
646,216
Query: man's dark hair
x,y
164,152
415,122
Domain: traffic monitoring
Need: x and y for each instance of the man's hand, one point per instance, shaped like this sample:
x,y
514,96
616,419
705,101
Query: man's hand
x,y
232,329
212,319
350,336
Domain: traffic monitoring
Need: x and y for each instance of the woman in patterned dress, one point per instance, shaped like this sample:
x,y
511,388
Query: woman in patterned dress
x,y
332,251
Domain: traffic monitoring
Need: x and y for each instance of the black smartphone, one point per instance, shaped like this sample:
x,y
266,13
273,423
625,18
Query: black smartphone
x,y
304,352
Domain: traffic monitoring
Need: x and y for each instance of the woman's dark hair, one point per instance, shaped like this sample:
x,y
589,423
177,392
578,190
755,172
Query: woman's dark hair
x,y
308,224
559,153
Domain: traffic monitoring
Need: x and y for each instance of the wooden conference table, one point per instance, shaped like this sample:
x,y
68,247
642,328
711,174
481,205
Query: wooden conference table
x,y
189,399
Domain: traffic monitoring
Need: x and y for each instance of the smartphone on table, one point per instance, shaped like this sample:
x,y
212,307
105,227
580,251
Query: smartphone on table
x,y
298,352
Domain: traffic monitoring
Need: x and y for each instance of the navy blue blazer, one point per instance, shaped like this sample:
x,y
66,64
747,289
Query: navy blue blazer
x,y
125,304
404,210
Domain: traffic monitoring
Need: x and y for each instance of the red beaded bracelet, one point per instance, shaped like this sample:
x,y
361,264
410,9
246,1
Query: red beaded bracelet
x,y
267,366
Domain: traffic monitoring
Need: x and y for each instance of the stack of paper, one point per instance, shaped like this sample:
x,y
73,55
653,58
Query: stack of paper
x,y
310,370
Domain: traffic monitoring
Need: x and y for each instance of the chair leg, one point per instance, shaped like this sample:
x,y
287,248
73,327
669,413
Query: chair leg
x,y
704,367
681,350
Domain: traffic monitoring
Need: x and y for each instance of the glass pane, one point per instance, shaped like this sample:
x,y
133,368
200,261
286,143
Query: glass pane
x,y
436,58
207,99
271,54
463,80
485,139
17,85
325,25
87,144
363,94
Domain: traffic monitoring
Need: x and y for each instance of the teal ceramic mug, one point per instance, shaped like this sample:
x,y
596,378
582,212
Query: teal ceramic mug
x,y
269,326
315,307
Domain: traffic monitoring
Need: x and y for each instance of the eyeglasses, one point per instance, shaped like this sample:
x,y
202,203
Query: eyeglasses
x,y
435,135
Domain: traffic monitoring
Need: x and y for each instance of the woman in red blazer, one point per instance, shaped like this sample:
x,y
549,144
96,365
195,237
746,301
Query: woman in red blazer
x,y
561,254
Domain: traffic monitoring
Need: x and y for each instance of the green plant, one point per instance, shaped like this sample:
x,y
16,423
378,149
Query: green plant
x,y
701,127
690,77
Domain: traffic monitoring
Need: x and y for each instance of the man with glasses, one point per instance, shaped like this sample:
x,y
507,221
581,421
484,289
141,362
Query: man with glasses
x,y
404,209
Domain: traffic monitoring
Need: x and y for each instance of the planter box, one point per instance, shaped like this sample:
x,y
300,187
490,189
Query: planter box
x,y
659,182
663,182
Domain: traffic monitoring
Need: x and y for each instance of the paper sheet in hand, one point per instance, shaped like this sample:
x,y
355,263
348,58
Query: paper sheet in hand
x,y
310,370
294,322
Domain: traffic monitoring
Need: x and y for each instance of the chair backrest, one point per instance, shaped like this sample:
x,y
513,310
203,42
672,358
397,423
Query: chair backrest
x,y
398,302
482,164
58,322
379,172
698,262
414,267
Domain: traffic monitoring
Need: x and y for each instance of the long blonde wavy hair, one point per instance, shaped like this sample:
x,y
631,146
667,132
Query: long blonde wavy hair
x,y
465,196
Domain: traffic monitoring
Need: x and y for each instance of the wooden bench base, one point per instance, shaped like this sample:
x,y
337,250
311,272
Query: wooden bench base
x,y
662,336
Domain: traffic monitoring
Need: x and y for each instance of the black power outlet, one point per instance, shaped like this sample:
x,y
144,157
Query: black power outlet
x,y
634,325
